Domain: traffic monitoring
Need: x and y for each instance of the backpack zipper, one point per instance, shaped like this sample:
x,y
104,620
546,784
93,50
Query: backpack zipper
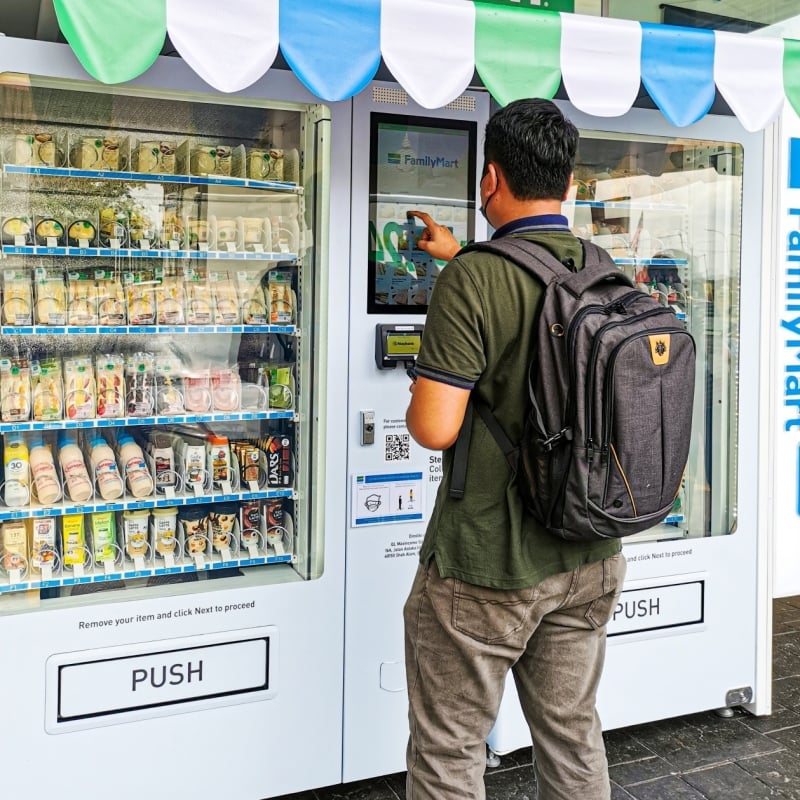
x,y
572,333
608,407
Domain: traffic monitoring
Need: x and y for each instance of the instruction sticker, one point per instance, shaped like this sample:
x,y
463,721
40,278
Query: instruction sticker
x,y
387,498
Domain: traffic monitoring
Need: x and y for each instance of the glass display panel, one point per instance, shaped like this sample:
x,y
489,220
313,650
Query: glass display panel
x,y
152,370
421,164
669,213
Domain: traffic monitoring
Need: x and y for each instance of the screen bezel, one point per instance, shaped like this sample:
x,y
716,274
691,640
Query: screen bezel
x,y
470,127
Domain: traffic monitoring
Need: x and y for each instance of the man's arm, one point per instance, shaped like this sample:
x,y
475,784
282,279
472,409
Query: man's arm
x,y
435,413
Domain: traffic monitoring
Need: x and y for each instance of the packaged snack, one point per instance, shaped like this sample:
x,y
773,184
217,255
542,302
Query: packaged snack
x,y
110,298
104,537
17,301
278,451
225,299
281,386
194,522
51,298
197,391
281,298
135,528
165,530
169,386
110,377
17,231
81,299
219,459
43,543
249,457
73,540
113,231
80,392
170,301
199,302
250,521
222,520
154,157
172,235
142,229
49,232
15,389
140,298
192,455
226,389
198,233
14,543
140,384
47,389
81,233
252,300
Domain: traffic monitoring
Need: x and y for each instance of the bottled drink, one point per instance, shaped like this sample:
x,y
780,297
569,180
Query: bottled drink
x,y
43,470
78,484
106,474
137,476
16,470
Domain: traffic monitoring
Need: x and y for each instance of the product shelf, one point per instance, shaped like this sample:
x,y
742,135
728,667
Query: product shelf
x,y
130,252
147,177
154,501
124,422
80,330
130,571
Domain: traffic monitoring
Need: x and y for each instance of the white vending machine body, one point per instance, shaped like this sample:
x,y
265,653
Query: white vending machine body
x,y
171,683
424,160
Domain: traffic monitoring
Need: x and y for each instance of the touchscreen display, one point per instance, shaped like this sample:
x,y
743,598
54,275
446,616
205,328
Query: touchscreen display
x,y
425,165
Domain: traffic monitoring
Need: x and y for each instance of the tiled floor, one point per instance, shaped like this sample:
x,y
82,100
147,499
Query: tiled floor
x,y
695,757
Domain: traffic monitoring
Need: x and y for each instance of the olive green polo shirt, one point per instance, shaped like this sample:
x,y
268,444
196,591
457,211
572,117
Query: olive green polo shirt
x,y
478,335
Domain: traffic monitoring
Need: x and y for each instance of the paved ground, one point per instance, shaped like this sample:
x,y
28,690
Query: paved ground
x,y
695,757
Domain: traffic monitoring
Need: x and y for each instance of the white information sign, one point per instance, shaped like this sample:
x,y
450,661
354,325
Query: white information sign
x,y
387,498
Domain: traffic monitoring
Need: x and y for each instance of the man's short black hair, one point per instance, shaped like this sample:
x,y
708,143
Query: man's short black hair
x,y
534,144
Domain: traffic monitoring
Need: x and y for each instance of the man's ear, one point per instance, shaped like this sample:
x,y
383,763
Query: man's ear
x,y
492,179
569,186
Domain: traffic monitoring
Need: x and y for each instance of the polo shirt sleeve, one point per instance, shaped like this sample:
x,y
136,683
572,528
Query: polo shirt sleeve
x,y
452,349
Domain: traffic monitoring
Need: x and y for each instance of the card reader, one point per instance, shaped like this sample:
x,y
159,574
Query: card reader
x,y
397,344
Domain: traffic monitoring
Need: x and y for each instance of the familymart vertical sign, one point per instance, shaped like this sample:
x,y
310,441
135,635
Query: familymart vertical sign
x,y
786,419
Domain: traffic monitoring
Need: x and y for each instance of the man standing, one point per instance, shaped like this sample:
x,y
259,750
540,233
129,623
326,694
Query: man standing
x,y
494,591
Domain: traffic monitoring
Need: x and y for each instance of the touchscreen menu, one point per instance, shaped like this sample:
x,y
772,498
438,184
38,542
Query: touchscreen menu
x,y
420,164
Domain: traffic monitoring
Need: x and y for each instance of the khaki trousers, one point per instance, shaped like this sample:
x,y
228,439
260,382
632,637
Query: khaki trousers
x,y
461,640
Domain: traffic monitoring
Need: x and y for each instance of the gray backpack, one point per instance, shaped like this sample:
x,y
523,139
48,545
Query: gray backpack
x,y
611,389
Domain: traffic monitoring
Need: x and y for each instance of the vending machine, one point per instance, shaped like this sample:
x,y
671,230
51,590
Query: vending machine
x,y
171,544
679,210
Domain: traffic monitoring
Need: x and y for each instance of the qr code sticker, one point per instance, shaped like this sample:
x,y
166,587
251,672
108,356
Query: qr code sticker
x,y
397,447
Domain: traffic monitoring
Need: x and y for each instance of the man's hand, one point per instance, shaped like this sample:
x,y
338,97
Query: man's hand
x,y
437,240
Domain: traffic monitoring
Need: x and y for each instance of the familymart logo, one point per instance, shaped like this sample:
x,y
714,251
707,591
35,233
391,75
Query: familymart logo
x,y
411,160
790,313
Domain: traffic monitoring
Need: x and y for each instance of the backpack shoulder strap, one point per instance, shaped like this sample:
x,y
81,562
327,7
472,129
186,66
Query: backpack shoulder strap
x,y
540,262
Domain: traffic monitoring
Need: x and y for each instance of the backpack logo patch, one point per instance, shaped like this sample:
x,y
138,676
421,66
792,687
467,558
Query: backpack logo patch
x,y
659,348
